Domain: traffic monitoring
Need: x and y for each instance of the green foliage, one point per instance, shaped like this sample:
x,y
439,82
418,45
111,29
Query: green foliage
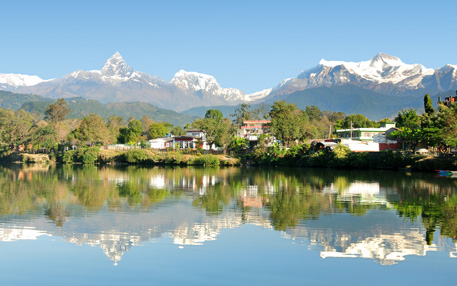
x,y
238,144
81,155
428,105
407,118
157,130
341,151
92,129
206,160
178,131
57,111
138,157
287,122
356,121
215,127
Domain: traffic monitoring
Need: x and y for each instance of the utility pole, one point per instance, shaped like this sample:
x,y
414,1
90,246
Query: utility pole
x,y
351,129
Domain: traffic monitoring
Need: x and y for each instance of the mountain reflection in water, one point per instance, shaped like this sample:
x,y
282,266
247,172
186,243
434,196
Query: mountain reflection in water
x,y
382,216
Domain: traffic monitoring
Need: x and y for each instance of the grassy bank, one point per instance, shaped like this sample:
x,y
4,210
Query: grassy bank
x,y
297,156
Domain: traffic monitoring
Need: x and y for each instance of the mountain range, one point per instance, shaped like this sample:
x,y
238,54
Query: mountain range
x,y
383,82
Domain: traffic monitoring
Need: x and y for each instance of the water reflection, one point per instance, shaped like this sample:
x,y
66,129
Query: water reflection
x,y
382,216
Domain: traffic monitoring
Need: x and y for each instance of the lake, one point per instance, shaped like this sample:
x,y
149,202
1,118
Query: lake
x,y
84,225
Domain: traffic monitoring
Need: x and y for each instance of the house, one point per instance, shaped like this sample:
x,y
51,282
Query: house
x,y
197,133
198,141
252,129
448,101
187,141
161,143
366,134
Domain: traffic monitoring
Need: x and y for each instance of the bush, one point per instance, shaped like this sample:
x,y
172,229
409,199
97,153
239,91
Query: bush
x,y
207,161
68,156
137,156
82,155
90,155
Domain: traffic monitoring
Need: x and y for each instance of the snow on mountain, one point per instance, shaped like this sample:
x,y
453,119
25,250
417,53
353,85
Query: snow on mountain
x,y
382,73
198,82
382,68
18,80
116,67
258,95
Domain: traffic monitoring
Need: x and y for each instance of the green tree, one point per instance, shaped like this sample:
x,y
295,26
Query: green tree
x,y
407,118
410,130
287,122
215,127
146,121
428,105
241,114
178,131
57,111
447,124
92,129
115,123
131,134
157,130
356,121
314,113
44,136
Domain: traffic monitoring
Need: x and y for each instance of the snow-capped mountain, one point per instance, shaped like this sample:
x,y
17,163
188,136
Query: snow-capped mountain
x,y
116,81
198,82
9,81
382,73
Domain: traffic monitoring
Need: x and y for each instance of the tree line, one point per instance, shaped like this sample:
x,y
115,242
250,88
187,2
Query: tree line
x,y
288,124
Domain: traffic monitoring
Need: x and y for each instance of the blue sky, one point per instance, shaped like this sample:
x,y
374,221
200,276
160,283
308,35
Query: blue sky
x,y
249,45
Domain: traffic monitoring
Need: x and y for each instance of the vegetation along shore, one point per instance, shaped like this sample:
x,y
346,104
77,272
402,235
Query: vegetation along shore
x,y
284,136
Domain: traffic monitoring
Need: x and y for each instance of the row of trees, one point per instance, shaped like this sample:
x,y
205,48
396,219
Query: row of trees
x,y
437,129
288,124
27,129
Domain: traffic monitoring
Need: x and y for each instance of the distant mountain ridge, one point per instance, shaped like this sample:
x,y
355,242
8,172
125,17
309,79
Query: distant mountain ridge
x,y
383,73
116,81
81,107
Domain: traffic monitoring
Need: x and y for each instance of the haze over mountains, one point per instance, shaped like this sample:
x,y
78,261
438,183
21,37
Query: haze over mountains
x,y
331,84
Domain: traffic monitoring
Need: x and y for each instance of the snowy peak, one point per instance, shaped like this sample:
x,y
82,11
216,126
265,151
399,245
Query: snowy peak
x,y
194,81
19,80
116,67
198,82
382,59
382,68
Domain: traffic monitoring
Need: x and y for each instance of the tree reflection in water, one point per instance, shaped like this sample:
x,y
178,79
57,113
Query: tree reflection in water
x,y
284,198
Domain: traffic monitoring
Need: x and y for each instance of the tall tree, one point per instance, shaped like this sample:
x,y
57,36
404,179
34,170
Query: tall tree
x,y
115,123
428,105
157,130
241,114
146,121
215,126
131,134
57,111
92,129
287,122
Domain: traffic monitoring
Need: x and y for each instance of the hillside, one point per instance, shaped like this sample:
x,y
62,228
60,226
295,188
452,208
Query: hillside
x,y
82,107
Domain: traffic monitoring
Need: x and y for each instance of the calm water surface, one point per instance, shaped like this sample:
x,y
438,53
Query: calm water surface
x,y
228,226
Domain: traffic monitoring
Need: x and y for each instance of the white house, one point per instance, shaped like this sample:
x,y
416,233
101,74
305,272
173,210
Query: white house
x,y
161,143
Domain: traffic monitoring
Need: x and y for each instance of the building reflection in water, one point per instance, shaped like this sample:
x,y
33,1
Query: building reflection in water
x,y
379,234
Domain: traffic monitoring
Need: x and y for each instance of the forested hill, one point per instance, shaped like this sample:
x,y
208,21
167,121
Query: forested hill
x,y
81,107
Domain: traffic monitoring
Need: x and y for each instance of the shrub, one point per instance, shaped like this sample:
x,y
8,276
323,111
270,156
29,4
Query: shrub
x,y
137,156
207,161
68,156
